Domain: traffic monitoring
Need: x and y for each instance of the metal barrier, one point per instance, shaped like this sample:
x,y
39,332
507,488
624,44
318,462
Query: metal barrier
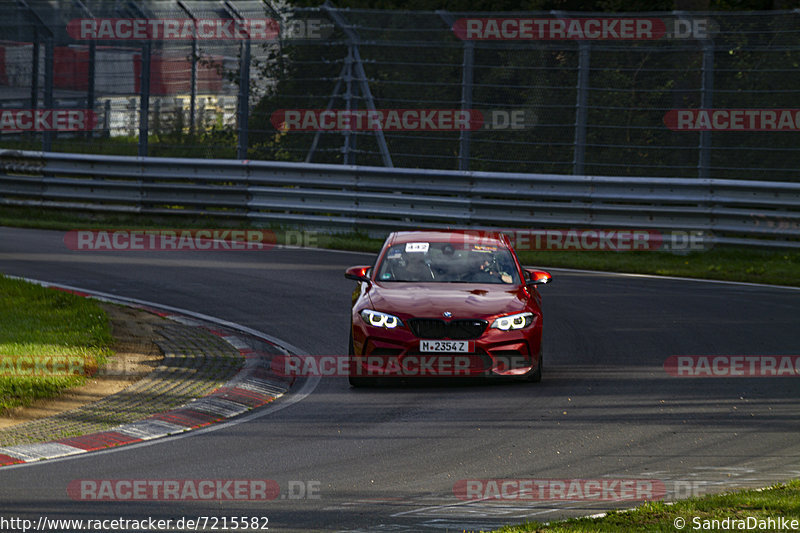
x,y
688,94
345,198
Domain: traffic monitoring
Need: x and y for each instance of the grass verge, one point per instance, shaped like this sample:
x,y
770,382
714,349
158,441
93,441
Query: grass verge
x,y
778,501
49,341
770,266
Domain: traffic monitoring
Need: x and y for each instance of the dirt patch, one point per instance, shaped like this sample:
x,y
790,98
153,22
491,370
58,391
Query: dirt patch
x,y
136,356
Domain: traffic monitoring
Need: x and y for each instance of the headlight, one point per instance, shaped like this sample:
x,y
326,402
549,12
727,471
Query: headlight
x,y
380,320
518,321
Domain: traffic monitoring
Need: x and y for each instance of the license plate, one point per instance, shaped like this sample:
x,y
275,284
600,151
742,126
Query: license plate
x,y
431,346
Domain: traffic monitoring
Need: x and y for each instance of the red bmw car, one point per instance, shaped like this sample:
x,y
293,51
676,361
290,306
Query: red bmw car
x,y
446,303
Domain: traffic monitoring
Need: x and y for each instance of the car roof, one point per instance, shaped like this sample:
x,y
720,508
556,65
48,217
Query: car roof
x,y
461,236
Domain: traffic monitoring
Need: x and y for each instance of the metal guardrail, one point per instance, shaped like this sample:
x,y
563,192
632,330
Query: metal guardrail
x,y
756,213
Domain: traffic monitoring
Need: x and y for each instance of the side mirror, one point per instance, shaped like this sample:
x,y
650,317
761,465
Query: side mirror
x,y
358,273
537,277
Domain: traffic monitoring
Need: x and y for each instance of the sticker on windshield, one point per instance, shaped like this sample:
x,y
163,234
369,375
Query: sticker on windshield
x,y
485,249
417,247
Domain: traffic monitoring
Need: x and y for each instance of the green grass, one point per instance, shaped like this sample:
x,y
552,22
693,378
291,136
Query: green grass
x,y
43,323
781,500
57,219
755,265
165,145
776,267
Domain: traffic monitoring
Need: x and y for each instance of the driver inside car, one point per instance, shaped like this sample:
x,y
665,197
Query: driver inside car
x,y
486,268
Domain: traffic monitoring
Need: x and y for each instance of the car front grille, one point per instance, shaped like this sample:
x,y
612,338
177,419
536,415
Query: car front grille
x,y
434,328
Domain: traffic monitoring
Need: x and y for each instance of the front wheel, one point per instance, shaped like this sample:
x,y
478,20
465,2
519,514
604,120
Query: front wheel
x,y
356,381
535,376
360,382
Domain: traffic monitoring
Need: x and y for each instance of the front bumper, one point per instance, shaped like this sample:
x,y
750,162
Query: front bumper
x,y
379,352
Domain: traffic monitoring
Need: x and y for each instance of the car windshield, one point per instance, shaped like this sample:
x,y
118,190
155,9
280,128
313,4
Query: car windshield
x,y
448,263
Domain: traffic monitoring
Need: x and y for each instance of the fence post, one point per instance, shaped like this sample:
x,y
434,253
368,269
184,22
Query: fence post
x,y
107,118
144,101
244,84
467,76
193,87
466,103
244,99
157,117
581,109
349,156
704,159
90,85
35,71
193,93
47,136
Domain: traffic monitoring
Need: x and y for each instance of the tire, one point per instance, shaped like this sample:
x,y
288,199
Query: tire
x,y
535,376
357,382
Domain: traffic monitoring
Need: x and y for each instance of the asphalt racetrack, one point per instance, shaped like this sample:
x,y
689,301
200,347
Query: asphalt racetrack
x,y
387,459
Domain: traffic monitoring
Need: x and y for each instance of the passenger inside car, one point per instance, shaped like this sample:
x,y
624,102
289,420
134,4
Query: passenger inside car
x,y
415,267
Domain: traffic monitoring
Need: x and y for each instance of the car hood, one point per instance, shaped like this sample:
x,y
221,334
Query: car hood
x,y
430,300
